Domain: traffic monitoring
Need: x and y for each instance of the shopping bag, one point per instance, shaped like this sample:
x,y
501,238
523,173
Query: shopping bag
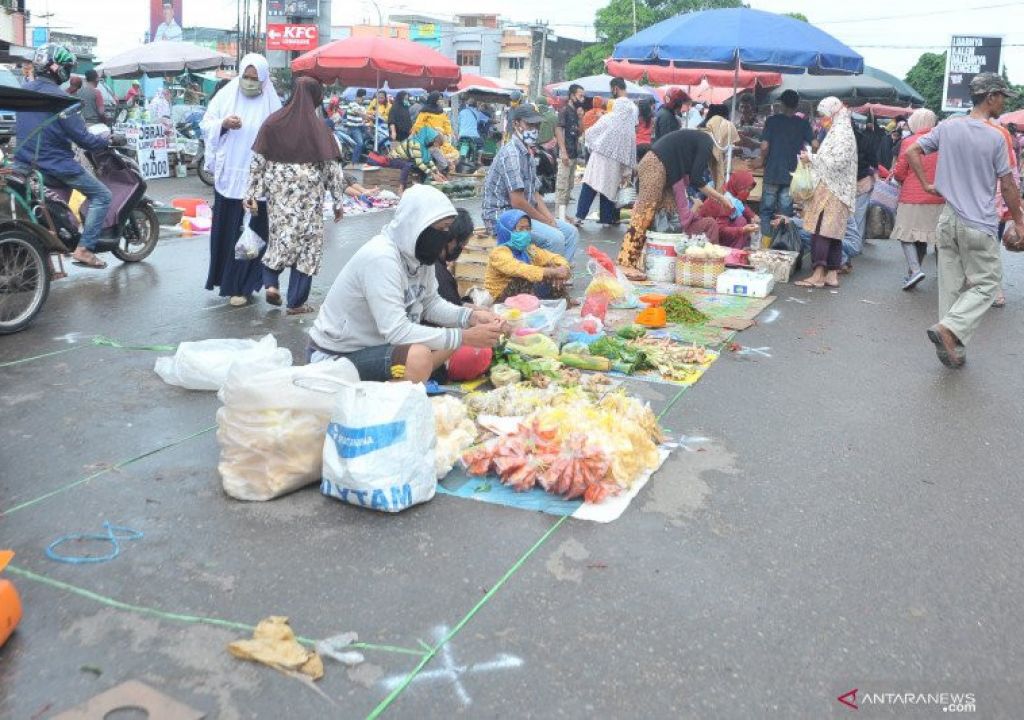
x,y
272,424
379,451
787,237
625,197
250,244
885,195
204,365
801,187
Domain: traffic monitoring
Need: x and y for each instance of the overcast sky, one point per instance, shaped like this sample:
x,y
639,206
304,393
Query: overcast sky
x,y
890,35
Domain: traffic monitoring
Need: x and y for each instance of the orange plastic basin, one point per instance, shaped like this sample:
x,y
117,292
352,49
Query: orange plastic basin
x,y
188,205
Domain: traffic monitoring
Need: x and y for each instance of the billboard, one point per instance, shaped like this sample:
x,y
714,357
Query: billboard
x,y
301,38
165,20
967,56
281,9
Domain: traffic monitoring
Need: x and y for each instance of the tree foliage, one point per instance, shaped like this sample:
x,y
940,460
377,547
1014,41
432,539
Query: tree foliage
x,y
798,16
613,23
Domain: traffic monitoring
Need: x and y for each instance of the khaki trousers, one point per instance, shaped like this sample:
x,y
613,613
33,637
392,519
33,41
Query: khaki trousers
x,y
970,269
564,182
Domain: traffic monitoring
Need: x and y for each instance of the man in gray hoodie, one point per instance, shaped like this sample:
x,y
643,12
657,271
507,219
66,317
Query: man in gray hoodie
x,y
374,311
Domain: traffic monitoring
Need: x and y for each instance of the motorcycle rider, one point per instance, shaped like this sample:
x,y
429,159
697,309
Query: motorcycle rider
x,y
44,142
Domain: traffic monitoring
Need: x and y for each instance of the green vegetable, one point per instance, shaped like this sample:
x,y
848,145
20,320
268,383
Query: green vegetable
x,y
621,351
586,362
681,311
526,366
631,332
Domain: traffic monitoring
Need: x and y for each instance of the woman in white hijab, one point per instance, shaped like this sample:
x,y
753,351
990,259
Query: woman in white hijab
x,y
834,168
612,145
232,121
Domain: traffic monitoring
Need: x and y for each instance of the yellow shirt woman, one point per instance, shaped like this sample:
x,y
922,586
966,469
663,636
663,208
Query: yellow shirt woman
x,y
434,117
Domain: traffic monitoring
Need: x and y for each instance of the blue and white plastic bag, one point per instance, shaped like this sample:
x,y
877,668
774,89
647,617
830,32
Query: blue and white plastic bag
x,y
379,450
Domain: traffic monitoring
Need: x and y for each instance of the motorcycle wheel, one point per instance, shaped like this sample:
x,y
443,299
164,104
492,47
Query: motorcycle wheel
x,y
24,280
140,235
205,175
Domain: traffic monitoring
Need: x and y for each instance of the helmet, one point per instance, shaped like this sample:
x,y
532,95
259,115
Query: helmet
x,y
54,61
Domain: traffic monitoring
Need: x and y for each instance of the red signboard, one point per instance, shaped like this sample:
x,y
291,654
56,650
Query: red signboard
x,y
292,37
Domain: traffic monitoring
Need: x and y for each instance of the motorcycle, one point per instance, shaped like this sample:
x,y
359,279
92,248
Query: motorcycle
x,y
547,167
194,153
38,225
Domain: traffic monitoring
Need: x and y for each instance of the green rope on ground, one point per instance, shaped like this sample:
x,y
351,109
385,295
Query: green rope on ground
x,y
386,702
177,617
40,357
101,341
672,402
104,471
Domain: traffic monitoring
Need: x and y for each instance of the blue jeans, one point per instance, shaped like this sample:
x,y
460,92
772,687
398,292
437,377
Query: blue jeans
x,y
775,200
853,240
359,138
562,239
99,202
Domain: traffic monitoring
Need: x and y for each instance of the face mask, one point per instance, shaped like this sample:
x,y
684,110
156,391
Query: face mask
x,y
250,88
530,137
906,133
430,244
520,240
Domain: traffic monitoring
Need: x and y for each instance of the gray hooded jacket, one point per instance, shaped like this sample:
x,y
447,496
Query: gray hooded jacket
x,y
383,293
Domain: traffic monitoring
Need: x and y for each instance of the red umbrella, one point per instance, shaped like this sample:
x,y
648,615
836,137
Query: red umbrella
x,y
1016,117
372,61
884,111
671,75
483,81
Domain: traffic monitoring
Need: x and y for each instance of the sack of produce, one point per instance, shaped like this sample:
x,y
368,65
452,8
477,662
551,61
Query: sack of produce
x,y
379,452
204,365
272,424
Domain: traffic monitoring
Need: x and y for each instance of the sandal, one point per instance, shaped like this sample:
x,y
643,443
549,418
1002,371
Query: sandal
x,y
274,297
633,275
91,262
575,222
999,303
301,310
809,284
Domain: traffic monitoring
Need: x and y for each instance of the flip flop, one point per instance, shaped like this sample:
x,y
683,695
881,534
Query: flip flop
x,y
274,297
808,284
999,303
301,310
94,264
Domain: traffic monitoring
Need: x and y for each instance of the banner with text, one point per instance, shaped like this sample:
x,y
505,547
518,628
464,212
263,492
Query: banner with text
x,y
968,55
301,38
151,151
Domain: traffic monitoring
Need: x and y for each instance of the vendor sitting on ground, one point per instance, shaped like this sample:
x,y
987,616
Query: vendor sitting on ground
x,y
373,312
736,222
460,232
357,191
413,155
517,266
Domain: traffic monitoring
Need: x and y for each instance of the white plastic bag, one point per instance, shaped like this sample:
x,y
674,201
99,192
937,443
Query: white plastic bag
x,y
801,187
272,425
379,452
249,245
204,365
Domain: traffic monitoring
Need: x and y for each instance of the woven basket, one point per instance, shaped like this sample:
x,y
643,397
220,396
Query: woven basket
x,y
699,272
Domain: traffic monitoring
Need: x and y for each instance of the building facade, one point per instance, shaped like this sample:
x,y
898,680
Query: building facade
x,y
13,19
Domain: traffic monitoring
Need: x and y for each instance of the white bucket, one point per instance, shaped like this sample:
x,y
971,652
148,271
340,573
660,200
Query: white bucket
x,y
660,268
659,247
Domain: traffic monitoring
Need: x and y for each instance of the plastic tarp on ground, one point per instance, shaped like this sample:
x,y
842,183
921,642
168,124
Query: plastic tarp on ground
x,y
749,39
372,61
164,58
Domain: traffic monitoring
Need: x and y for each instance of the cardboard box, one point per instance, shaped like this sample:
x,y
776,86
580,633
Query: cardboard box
x,y
745,283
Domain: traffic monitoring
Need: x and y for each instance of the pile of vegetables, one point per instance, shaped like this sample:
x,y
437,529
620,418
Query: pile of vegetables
x,y
708,251
574,446
681,311
626,357
674,361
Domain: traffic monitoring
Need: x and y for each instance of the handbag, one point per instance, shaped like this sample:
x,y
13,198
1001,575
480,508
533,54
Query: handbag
x,y
885,195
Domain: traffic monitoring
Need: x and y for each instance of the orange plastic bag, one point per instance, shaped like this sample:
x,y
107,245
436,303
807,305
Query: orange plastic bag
x,y
10,603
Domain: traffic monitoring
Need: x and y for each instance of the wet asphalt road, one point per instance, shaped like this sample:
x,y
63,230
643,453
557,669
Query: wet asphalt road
x,y
845,514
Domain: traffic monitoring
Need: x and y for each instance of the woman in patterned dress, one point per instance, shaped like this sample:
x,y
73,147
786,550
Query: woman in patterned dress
x,y
834,168
295,161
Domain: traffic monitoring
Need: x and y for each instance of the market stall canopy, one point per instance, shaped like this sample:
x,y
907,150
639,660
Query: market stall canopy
x,y
883,111
499,96
372,61
164,58
15,99
904,92
485,82
744,38
862,88
669,74
349,93
698,93
597,85
1016,117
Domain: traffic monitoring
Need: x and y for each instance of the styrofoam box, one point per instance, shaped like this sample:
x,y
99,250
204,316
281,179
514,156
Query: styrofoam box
x,y
745,283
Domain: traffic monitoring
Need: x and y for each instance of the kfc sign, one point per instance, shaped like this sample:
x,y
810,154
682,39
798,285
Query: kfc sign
x,y
292,37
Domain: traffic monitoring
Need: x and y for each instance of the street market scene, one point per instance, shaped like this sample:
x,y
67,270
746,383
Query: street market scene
x,y
650,359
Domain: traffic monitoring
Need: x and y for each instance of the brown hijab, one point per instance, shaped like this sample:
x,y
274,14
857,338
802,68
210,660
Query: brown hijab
x,y
295,133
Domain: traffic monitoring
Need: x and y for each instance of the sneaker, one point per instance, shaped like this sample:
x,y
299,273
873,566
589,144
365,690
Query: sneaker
x,y
913,280
238,301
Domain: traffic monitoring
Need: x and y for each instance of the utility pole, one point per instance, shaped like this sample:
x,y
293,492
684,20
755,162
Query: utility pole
x,y
634,17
